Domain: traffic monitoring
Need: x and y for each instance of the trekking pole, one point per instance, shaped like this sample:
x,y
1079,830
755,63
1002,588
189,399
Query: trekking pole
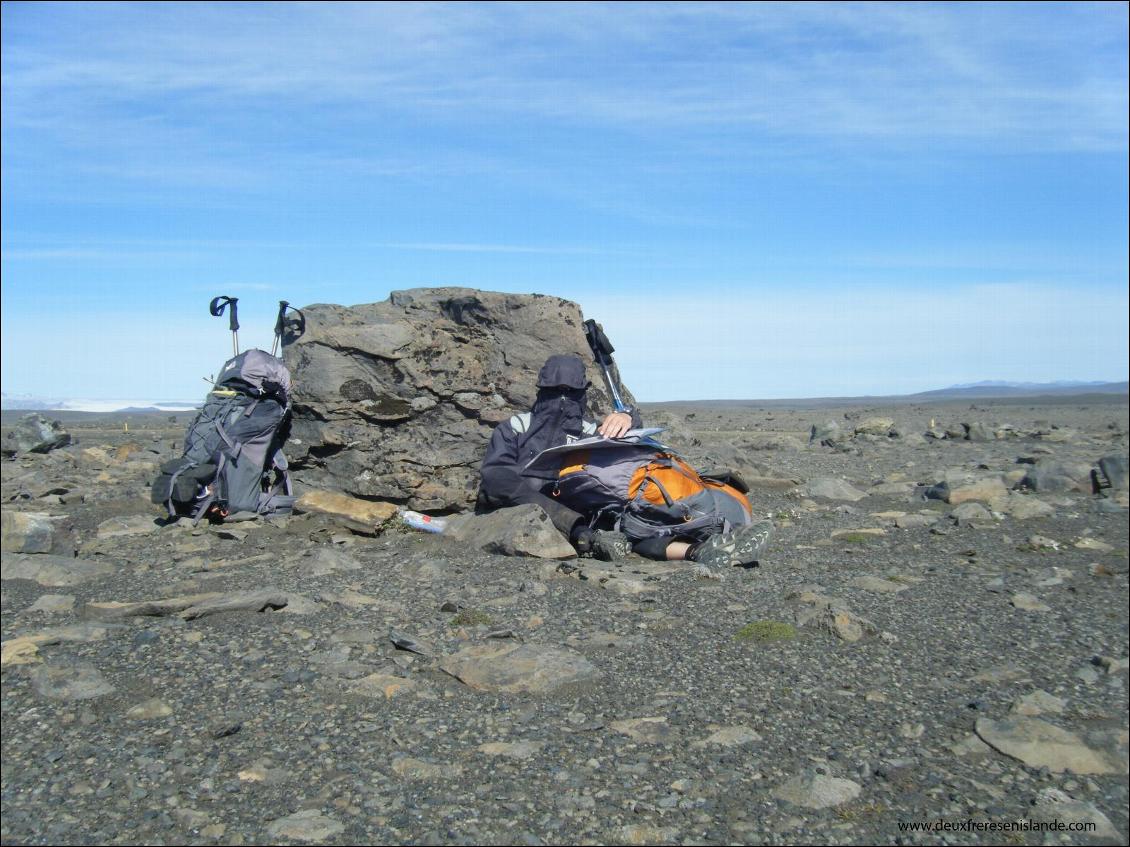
x,y
602,351
280,323
216,308
293,327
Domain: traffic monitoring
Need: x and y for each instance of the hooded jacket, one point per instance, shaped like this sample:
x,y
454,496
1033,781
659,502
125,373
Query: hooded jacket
x,y
557,417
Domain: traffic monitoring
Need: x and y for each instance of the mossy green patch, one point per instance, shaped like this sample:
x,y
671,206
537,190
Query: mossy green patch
x,y
394,525
471,617
860,812
854,537
766,631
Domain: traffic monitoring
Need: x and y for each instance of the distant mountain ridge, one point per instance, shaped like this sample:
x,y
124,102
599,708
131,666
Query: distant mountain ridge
x,y
1004,383
1001,388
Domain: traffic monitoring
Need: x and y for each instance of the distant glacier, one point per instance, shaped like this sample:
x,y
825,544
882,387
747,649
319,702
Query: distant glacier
x,y
31,404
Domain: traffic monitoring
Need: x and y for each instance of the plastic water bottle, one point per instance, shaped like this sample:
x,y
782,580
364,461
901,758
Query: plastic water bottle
x,y
425,522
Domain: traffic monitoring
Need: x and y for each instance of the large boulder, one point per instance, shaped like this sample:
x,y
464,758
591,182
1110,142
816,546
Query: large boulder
x,y
396,400
833,488
955,490
37,532
523,530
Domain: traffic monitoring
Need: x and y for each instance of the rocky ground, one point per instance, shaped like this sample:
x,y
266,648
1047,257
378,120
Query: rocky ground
x,y
937,635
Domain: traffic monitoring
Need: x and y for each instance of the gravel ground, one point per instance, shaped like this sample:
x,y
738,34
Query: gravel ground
x,y
840,691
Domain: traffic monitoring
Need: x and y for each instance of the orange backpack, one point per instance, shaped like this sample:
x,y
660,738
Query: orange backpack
x,y
648,492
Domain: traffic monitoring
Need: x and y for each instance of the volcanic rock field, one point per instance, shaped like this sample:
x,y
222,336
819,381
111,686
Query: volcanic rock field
x,y
937,637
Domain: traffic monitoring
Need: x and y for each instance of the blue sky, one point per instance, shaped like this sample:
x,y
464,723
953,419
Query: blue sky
x,y
766,200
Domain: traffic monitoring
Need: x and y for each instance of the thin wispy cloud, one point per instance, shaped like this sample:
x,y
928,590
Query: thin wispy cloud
x,y
20,247
238,287
251,101
70,254
1028,260
493,248
874,71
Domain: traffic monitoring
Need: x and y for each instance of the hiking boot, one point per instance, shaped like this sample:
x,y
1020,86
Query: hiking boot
x,y
600,544
610,546
743,546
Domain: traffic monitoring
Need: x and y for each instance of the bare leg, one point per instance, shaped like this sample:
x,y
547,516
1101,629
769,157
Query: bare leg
x,y
677,551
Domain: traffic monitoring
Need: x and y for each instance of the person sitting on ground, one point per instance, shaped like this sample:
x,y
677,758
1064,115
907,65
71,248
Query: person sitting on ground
x,y
558,417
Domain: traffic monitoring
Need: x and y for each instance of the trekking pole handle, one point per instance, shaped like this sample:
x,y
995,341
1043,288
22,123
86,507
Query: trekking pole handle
x,y
602,351
280,321
296,324
217,306
293,327
602,348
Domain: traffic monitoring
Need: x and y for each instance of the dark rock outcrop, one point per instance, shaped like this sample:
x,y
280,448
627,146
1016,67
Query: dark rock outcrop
x,y
978,431
1113,472
396,400
1056,476
35,434
826,434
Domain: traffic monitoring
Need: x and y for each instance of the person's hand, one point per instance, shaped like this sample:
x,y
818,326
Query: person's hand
x,y
615,425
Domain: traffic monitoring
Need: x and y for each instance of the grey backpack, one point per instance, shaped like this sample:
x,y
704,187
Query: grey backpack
x,y
233,459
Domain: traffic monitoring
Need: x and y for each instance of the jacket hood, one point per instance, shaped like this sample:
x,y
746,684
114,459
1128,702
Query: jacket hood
x,y
563,371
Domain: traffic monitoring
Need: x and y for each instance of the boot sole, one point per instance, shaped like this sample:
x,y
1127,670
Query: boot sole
x,y
743,546
610,546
